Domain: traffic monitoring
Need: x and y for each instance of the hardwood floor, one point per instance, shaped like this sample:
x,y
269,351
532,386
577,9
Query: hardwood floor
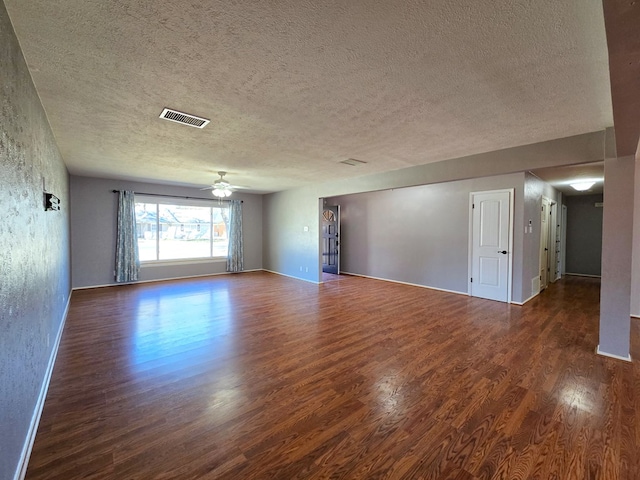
x,y
258,376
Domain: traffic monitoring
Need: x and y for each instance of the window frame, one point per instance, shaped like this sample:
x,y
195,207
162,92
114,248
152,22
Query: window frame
x,y
188,202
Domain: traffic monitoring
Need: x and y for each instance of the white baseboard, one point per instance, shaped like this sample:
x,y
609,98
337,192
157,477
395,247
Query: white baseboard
x,y
583,275
165,279
406,283
291,276
613,355
37,412
530,298
635,316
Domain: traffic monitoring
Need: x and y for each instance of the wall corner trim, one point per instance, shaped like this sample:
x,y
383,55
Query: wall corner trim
x,y
37,412
291,276
528,299
88,287
407,283
613,355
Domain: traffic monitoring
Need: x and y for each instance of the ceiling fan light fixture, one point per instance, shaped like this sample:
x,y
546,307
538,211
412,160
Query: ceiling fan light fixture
x,y
221,188
221,192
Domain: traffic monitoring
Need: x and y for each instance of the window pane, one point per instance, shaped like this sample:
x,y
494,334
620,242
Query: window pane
x,y
220,239
185,231
146,230
180,231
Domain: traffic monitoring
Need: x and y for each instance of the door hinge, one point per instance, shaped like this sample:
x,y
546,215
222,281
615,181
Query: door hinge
x,y
471,279
473,205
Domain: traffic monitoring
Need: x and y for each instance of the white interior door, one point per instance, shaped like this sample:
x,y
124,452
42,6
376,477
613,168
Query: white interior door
x,y
491,245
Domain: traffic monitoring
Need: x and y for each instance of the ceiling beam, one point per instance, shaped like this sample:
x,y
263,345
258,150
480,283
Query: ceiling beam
x,y
622,18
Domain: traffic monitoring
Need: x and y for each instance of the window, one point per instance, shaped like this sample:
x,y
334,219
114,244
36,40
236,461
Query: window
x,y
173,229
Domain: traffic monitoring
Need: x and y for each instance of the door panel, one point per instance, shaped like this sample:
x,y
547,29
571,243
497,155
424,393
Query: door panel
x,y
489,218
490,255
489,272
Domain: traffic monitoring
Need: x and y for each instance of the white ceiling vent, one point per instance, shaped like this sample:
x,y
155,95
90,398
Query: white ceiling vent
x,y
353,162
184,118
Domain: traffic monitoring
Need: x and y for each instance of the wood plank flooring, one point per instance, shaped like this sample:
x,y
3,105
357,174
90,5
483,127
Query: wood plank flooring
x,y
258,376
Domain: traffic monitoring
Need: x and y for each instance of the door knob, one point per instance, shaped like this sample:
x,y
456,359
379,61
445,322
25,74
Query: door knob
x,y
504,252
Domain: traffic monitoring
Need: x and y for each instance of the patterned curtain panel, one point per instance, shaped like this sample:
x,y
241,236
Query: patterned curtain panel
x,y
235,257
127,260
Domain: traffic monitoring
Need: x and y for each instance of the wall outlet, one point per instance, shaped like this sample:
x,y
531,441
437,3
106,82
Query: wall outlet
x,y
300,267
306,269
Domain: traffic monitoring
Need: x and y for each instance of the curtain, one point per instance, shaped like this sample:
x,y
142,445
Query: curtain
x,y
127,261
235,256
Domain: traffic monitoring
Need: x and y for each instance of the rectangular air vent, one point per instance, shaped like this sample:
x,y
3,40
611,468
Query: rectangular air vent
x,y
353,162
184,118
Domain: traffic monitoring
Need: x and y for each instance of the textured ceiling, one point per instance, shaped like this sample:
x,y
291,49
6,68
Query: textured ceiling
x,y
293,87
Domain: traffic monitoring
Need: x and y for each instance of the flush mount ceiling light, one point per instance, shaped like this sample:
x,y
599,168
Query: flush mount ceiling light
x,y
583,186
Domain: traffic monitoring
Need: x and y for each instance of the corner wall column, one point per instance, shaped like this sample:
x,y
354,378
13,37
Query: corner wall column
x,y
617,226
635,265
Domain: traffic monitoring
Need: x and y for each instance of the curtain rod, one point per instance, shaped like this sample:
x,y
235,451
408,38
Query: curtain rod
x,y
179,196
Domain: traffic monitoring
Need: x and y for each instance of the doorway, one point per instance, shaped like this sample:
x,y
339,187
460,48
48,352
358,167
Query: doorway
x,y
549,243
331,239
491,244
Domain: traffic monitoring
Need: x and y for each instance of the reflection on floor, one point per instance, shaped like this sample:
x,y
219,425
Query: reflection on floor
x,y
329,277
257,375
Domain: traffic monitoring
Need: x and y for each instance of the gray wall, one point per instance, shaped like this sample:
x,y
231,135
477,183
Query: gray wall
x,y
617,225
34,258
93,231
534,190
584,234
287,247
635,271
420,234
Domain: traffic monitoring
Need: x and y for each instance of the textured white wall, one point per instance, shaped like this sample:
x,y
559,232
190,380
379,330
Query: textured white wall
x,y
34,258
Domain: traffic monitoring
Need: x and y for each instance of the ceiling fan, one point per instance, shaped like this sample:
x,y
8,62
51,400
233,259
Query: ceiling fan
x,y
221,188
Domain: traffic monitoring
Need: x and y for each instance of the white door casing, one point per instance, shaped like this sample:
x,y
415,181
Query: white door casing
x,y
491,245
554,242
563,241
545,217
